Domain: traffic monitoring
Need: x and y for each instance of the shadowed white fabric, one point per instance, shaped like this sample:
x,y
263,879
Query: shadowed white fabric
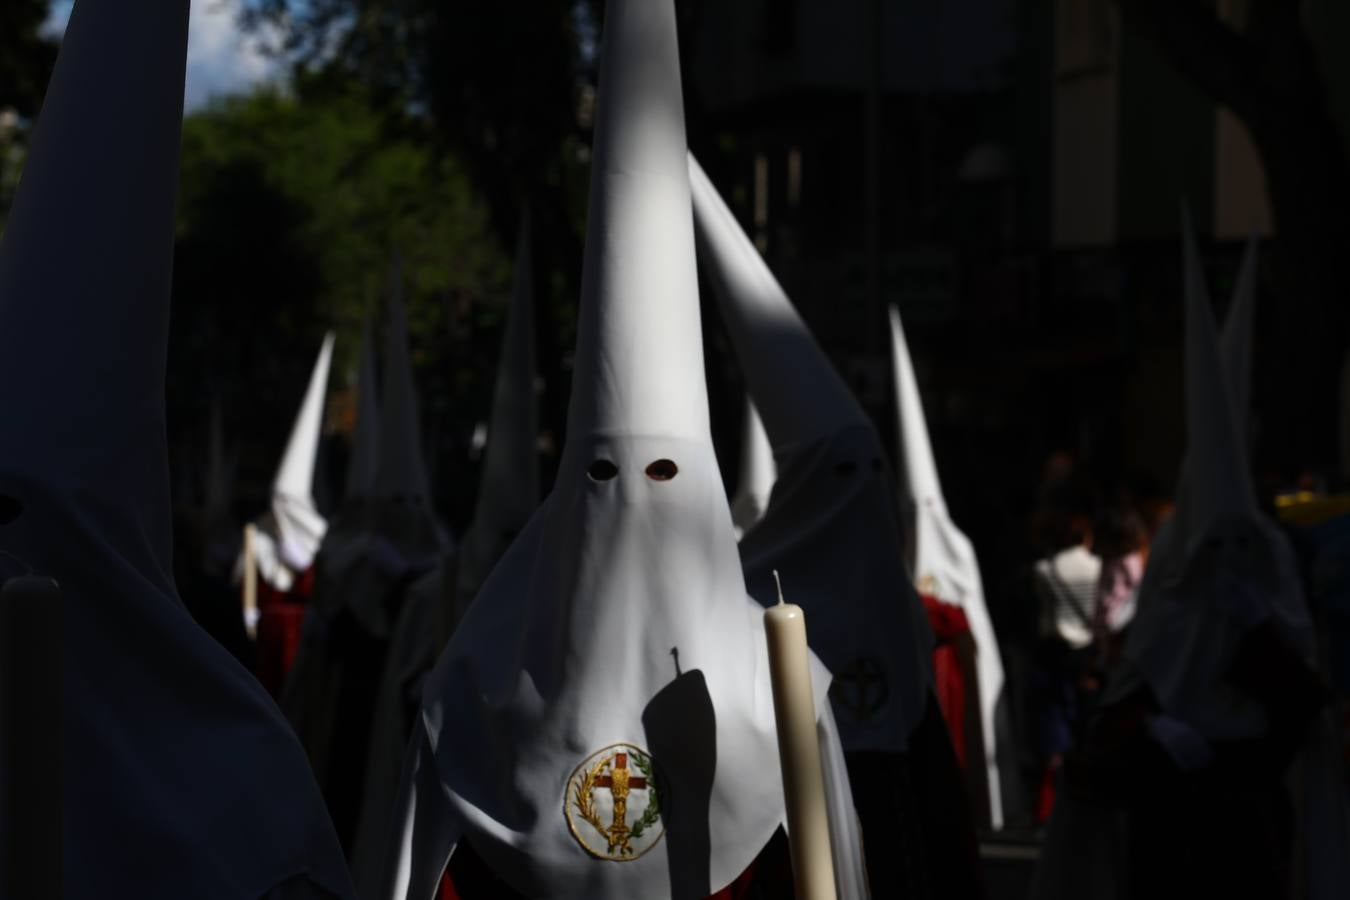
x,y
508,492
757,473
1218,566
401,473
831,526
944,559
620,613
181,777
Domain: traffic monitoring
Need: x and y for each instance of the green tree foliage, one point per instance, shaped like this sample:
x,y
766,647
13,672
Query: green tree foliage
x,y
503,86
289,213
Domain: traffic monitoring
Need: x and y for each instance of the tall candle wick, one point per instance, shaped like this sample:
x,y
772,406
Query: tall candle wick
x,y
778,581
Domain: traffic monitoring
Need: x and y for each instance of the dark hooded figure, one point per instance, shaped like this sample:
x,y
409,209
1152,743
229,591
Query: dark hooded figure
x,y
181,778
832,530
383,538
1180,786
508,494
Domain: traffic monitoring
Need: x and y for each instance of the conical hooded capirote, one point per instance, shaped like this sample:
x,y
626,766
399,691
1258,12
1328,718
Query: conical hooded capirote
x,y
798,393
173,752
1218,566
614,644
508,490
831,524
298,525
1215,487
401,472
944,561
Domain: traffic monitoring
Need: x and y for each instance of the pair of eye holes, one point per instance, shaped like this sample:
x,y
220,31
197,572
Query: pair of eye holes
x,y
660,470
849,467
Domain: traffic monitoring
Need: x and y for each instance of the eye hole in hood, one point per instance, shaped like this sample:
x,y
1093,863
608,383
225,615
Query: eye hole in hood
x,y
662,470
602,470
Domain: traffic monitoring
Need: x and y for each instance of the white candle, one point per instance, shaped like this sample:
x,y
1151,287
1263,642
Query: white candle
x,y
250,582
30,738
799,751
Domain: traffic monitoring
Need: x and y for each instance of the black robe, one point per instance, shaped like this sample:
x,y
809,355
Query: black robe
x,y
373,551
917,827
1223,830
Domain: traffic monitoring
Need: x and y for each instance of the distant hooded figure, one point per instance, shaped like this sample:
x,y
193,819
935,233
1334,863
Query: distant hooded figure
x,y
831,530
289,534
384,537
601,725
944,566
508,494
181,778
1180,786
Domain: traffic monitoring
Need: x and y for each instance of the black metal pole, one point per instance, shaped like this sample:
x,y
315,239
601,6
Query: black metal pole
x,y
30,739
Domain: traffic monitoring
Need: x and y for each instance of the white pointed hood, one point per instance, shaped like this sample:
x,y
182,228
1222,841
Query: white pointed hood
x,y
758,472
508,491
401,471
831,526
299,525
1216,487
616,633
944,561
1219,565
173,752
365,449
798,393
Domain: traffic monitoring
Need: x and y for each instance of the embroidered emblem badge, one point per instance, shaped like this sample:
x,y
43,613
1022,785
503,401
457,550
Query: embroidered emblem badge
x,y
861,689
612,803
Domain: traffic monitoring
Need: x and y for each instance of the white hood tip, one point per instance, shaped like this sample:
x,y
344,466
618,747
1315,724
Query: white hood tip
x,y
799,394
1216,487
299,525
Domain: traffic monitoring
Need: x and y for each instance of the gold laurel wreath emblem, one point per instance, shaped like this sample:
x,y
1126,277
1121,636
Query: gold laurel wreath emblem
x,y
583,785
585,796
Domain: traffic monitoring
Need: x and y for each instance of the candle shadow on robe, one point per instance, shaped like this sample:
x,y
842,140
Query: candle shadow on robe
x,y
681,729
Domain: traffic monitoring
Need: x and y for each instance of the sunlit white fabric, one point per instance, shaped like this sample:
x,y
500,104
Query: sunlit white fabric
x,y
944,559
620,613
831,526
757,473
